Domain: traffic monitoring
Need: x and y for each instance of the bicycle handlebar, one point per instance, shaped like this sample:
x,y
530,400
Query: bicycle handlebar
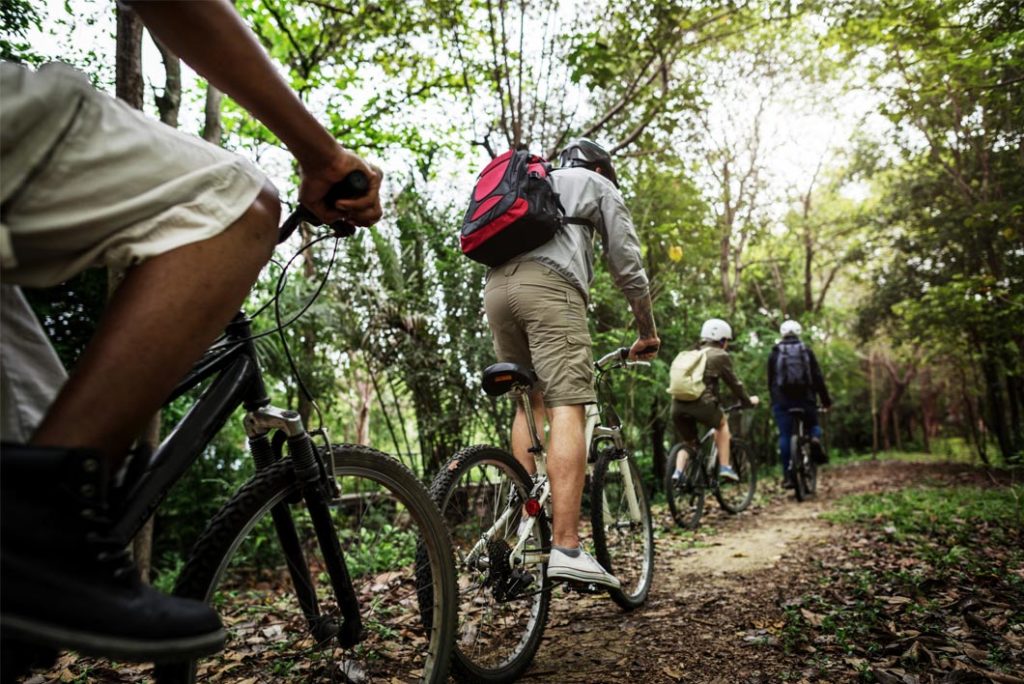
x,y
355,184
621,355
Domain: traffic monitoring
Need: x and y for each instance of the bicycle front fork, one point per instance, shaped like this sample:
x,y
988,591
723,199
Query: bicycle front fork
x,y
310,471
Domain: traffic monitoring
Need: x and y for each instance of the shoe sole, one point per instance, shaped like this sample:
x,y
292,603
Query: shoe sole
x,y
570,575
116,647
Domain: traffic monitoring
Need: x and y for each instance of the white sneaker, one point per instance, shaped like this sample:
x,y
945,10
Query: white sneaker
x,y
582,568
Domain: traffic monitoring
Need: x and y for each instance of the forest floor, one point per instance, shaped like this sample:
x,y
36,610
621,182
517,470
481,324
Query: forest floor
x,y
896,572
922,582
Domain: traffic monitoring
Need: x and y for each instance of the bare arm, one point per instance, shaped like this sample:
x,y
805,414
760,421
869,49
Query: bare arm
x,y
211,37
647,344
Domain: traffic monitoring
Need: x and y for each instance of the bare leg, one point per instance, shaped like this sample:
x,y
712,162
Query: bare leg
x,y
521,439
681,456
722,437
158,323
567,465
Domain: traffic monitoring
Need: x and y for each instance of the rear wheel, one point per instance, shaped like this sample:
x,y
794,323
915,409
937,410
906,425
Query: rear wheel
x,y
810,472
621,520
736,496
686,495
798,464
502,605
397,552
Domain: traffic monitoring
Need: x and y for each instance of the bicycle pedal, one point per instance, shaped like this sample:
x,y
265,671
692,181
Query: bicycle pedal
x,y
583,587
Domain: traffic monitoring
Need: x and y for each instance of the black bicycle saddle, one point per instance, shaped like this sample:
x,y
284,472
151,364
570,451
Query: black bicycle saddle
x,y
502,377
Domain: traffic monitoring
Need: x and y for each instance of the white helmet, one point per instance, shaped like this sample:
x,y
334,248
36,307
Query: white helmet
x,y
716,330
790,328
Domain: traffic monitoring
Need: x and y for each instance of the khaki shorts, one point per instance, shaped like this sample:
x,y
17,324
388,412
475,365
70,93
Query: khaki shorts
x,y
539,321
85,180
686,415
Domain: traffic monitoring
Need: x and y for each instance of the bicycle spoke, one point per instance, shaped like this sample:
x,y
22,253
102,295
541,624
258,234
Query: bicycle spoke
x,y
502,604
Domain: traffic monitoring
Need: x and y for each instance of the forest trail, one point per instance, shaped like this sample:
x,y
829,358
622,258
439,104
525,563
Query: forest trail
x,y
716,611
760,538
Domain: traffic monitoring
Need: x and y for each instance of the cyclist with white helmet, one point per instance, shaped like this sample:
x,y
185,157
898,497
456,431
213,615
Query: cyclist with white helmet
x,y
715,336
794,378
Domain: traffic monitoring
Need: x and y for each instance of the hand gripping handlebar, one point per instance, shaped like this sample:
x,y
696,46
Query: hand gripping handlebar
x,y
355,184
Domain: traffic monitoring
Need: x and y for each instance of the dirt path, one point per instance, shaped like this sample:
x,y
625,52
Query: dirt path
x,y
710,605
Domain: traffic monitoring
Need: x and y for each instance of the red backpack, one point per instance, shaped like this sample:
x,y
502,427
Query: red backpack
x,y
513,209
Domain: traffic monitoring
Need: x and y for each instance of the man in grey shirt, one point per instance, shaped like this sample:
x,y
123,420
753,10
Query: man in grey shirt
x,y
537,310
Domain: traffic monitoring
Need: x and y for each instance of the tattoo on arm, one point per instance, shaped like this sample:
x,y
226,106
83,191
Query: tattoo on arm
x,y
644,316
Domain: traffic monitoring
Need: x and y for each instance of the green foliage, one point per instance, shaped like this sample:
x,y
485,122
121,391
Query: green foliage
x,y
952,514
17,17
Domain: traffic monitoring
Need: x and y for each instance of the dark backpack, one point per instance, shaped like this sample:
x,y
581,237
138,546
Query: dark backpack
x,y
793,369
514,208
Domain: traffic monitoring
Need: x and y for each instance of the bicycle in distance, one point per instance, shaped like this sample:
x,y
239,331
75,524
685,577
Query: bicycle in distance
x,y
331,562
803,463
686,494
499,518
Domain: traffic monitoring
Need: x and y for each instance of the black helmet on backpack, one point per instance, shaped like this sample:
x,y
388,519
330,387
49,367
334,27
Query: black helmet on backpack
x,y
588,154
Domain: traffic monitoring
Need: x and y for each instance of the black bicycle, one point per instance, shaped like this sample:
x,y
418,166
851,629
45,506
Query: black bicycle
x,y
686,494
331,562
803,466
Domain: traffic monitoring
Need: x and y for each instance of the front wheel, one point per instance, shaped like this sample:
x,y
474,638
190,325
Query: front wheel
x,y
686,494
621,519
736,496
398,555
503,598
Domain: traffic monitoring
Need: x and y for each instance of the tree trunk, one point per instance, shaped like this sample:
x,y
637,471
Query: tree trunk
x,y
927,407
972,419
212,128
128,61
874,406
129,87
890,408
168,103
996,406
365,397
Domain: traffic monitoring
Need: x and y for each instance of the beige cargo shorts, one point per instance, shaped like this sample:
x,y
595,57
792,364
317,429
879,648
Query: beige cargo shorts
x,y
539,320
85,180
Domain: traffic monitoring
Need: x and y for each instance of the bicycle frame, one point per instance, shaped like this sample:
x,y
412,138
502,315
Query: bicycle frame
x,y
709,471
596,431
239,382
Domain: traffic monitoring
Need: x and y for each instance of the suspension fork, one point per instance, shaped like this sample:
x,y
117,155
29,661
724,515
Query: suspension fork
x,y
308,472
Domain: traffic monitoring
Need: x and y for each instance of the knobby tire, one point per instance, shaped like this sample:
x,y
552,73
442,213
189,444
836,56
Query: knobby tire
x,y
420,600
625,547
497,637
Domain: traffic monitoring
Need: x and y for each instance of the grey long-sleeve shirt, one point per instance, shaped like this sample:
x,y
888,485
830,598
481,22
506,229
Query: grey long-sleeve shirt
x,y
588,195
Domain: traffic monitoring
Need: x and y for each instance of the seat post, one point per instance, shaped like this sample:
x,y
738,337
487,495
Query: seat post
x,y
537,447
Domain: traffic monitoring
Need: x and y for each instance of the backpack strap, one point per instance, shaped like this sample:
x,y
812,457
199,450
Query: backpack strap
x,y
572,219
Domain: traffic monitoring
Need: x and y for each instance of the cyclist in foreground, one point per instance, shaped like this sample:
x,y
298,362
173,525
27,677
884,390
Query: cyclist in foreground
x,y
88,181
536,307
715,336
794,379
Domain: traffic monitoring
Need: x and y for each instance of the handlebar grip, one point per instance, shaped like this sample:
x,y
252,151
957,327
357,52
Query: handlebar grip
x,y
355,184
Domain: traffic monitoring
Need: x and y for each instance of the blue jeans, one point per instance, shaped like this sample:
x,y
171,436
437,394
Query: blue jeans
x,y
786,427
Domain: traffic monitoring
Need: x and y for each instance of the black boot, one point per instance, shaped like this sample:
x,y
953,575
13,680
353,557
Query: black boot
x,y
65,585
818,451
